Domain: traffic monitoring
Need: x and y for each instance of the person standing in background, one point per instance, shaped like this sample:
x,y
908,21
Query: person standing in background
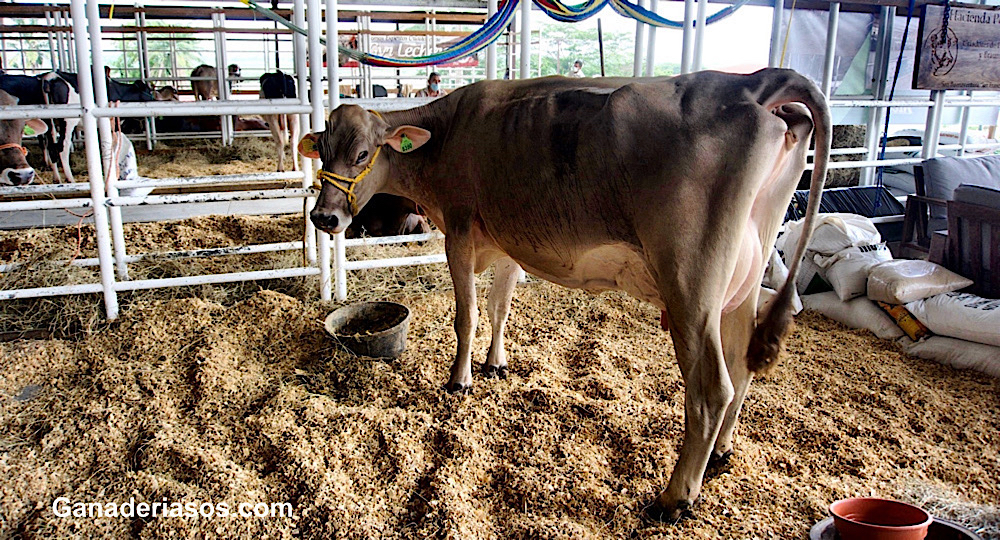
x,y
433,87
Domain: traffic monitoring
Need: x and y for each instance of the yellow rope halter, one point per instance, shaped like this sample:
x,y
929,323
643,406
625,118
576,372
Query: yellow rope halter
x,y
332,179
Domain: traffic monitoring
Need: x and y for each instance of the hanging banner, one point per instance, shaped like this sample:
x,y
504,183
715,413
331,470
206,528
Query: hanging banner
x,y
960,51
401,47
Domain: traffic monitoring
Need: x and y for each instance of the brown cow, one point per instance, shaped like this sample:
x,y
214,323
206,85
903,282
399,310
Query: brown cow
x,y
388,215
671,189
165,93
14,166
207,89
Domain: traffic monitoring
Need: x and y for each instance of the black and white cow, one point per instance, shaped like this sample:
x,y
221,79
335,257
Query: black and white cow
x,y
284,127
59,88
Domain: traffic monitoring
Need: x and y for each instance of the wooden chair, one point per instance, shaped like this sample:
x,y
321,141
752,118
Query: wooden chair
x,y
973,247
917,219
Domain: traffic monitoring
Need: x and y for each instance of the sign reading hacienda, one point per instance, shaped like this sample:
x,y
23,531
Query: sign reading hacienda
x,y
959,48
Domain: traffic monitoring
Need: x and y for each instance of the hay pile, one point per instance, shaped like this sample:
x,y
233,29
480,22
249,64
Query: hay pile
x,y
192,400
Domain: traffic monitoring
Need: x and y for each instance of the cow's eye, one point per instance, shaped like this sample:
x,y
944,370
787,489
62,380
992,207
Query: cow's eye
x,y
361,157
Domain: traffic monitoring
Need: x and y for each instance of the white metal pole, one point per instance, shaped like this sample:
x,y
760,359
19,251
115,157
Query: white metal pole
x,y
640,33
880,80
223,70
651,42
524,71
146,72
332,73
932,131
777,21
60,45
491,50
85,83
963,130
699,36
104,128
687,38
220,73
833,19
52,46
305,164
319,122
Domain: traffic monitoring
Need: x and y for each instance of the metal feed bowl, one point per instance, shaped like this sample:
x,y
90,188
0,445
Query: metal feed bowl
x,y
375,329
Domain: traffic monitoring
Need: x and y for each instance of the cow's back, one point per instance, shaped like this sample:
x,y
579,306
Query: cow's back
x,y
572,161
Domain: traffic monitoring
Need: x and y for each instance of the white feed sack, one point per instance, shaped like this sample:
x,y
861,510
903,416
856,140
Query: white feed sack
x,y
847,270
125,165
833,233
957,353
858,313
960,315
767,295
903,281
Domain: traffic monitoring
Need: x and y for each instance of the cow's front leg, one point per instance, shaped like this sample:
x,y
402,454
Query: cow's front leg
x,y
460,251
707,396
498,306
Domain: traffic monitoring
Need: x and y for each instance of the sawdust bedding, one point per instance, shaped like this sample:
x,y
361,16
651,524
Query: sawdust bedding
x,y
191,400
236,395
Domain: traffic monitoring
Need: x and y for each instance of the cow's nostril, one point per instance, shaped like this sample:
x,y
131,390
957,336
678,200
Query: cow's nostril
x,y
325,221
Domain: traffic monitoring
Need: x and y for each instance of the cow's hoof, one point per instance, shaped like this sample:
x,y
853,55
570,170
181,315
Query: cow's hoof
x,y
499,372
458,388
656,513
718,464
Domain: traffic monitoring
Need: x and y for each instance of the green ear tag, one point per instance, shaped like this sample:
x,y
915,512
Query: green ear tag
x,y
405,144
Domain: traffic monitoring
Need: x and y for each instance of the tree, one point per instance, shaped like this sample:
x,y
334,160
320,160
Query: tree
x,y
566,43
185,48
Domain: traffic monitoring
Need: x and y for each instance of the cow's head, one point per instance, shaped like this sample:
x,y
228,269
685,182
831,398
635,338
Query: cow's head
x,y
353,150
14,168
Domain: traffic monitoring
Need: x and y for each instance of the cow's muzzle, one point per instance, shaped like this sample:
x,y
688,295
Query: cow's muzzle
x,y
18,177
329,222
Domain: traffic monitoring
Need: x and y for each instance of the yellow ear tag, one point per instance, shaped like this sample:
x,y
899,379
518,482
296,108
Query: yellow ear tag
x,y
307,146
405,144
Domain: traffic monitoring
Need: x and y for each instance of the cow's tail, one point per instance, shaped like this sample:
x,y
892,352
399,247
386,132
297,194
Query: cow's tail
x,y
782,87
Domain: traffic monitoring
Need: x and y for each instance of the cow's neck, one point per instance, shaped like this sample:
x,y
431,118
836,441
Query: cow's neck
x,y
408,174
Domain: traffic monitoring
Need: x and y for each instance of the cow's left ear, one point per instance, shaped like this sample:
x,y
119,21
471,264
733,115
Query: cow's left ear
x,y
308,147
407,138
37,127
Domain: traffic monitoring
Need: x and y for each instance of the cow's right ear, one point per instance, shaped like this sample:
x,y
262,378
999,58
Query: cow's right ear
x,y
308,146
407,138
37,127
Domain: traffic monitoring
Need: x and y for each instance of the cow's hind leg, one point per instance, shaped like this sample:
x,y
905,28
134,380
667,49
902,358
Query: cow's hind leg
x,y
737,327
697,339
498,306
293,137
64,159
460,250
274,125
